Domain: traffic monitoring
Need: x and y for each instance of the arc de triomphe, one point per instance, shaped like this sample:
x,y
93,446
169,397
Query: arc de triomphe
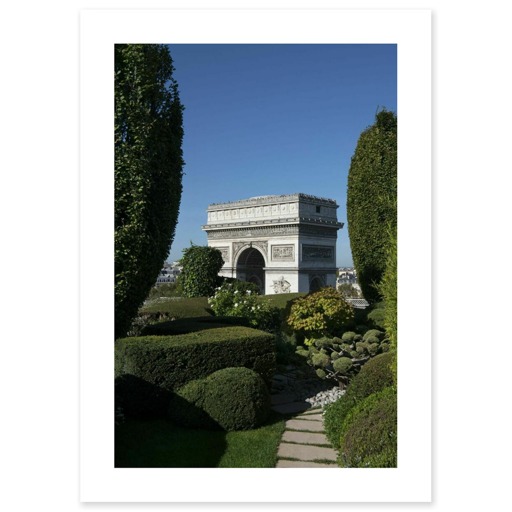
x,y
283,243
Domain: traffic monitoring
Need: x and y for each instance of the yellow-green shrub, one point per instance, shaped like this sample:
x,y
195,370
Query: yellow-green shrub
x,y
322,313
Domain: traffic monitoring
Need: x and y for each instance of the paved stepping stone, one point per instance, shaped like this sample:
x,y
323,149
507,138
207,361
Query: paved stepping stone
x,y
283,463
304,438
316,410
306,452
315,426
310,417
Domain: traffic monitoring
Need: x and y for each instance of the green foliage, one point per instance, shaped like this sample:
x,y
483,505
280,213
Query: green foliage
x,y
320,359
169,362
342,365
349,291
376,316
388,290
374,376
239,299
321,373
322,313
342,361
369,433
348,337
148,135
371,200
373,334
201,266
230,399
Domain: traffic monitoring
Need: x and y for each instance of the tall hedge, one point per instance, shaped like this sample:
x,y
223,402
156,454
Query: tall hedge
x,y
148,134
371,200
201,266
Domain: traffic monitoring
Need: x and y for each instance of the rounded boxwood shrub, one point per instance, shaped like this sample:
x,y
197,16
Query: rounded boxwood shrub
x,y
369,433
348,337
374,376
373,333
342,364
230,399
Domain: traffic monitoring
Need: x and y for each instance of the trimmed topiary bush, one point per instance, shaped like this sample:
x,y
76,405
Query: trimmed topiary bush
x,y
369,432
371,195
333,358
373,333
201,266
169,362
230,399
374,376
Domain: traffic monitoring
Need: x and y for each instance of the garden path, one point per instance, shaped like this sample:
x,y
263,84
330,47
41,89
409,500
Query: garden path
x,y
304,444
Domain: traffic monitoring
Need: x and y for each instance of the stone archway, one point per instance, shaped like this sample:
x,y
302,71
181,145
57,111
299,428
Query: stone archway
x,y
295,235
250,267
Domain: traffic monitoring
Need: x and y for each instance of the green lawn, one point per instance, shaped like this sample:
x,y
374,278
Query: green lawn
x,y
181,307
159,444
280,300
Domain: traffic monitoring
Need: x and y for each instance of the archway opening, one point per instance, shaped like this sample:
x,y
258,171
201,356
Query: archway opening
x,y
250,266
315,284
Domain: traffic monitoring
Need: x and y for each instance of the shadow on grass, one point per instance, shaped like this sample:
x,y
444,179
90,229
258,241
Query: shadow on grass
x,y
158,443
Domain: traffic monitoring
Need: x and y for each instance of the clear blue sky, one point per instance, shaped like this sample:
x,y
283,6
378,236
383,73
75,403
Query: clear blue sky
x,y
274,119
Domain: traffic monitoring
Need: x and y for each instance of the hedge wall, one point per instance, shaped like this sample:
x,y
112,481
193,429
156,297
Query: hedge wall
x,y
169,362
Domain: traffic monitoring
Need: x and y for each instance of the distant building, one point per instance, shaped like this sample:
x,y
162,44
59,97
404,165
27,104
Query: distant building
x,y
348,275
169,273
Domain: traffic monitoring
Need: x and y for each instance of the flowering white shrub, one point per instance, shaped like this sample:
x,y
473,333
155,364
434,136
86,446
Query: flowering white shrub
x,y
240,299
232,300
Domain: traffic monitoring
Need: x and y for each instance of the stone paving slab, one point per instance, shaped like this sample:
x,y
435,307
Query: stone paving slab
x,y
283,463
306,452
312,411
304,438
310,417
291,408
315,426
